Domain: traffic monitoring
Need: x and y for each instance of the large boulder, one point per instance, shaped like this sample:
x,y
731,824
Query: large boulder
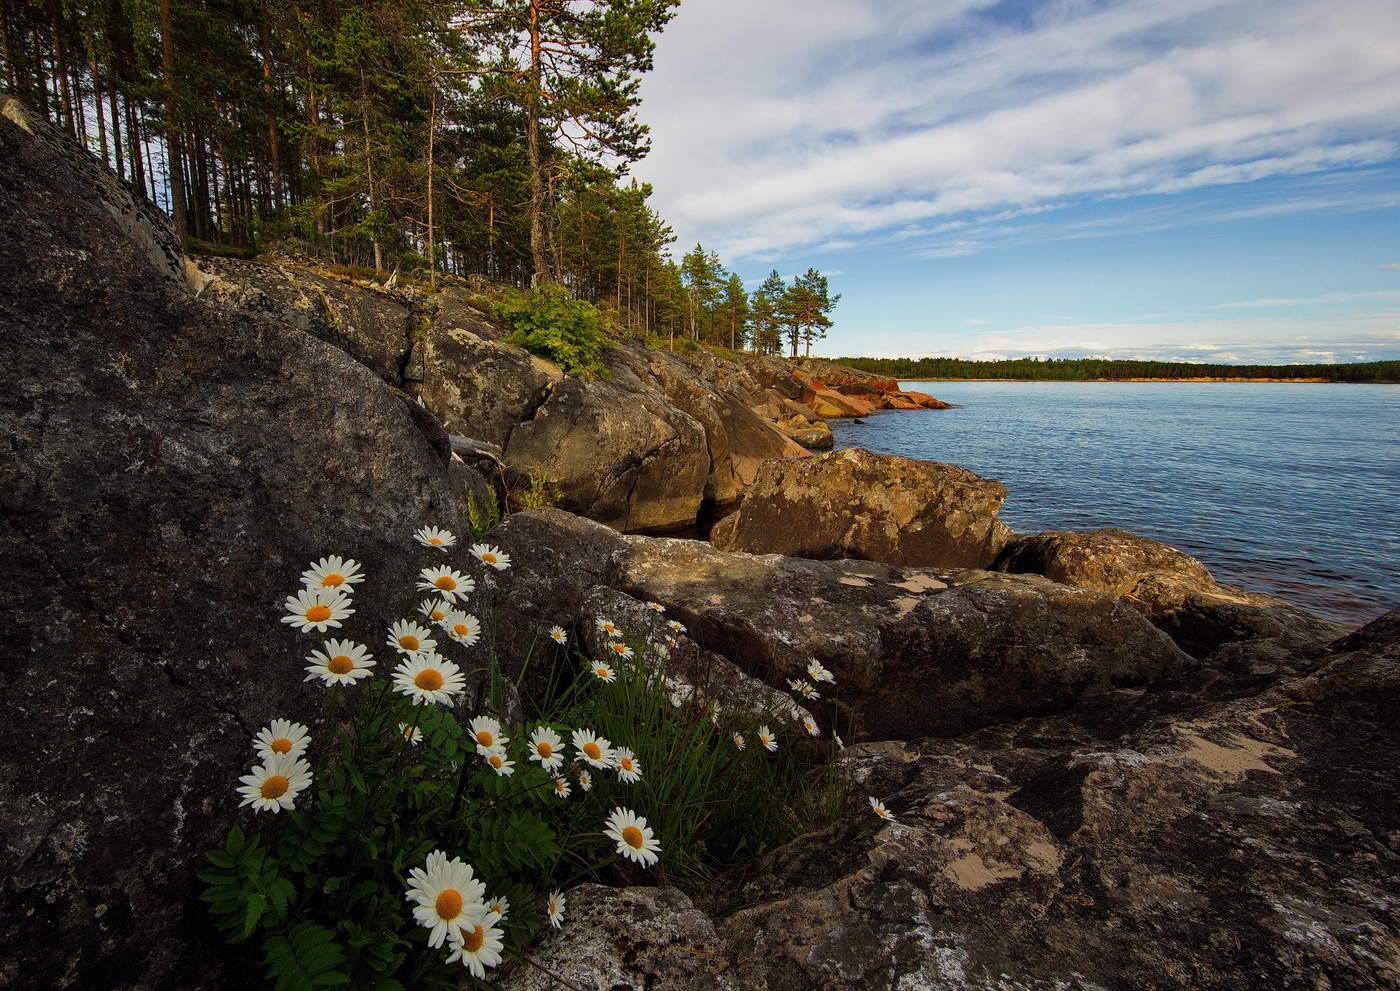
x,y
172,468
880,507
1170,587
480,388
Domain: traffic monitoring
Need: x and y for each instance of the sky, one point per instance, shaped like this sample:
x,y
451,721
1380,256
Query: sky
x,y
1200,180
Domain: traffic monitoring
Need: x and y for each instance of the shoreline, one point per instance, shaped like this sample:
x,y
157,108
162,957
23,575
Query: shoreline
x,y
1299,381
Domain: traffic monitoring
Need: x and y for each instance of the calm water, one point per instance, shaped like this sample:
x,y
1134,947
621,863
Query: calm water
x,y
1292,490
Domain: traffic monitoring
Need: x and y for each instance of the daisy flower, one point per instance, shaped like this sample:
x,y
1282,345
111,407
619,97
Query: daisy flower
x,y
499,907
274,785
795,684
500,763
629,769
547,748
675,626
487,734
446,894
554,908
341,662
585,780
609,627
634,837
603,672
656,607
840,745
810,725
412,734
333,572
738,739
477,947
452,585
428,678
316,609
879,808
491,555
766,737
435,610
594,749
807,690
407,637
714,713
561,787
621,650
431,536
557,634
462,627
282,736
818,673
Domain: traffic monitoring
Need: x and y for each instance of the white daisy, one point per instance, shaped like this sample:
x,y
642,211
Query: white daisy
x,y
274,784
431,536
561,787
428,678
492,555
333,572
557,634
656,607
451,585
407,637
554,908
585,780
499,907
766,737
677,627
807,690
634,837
486,732
412,734
547,748
477,947
282,736
880,810
609,627
795,684
810,725
316,609
602,672
341,662
445,895
738,739
629,769
818,673
463,628
435,610
500,763
621,650
672,642
594,749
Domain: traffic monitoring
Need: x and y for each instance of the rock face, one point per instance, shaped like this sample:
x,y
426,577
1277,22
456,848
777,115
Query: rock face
x,y
171,469
972,647
878,507
1170,587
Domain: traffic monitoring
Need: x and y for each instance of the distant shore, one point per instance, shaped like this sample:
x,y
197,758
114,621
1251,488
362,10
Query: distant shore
x,y
1090,381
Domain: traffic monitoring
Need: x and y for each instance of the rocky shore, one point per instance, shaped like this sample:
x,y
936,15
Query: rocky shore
x,y
1106,769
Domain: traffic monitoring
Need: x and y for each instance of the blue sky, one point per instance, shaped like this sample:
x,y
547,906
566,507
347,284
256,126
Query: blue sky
x,y
1196,179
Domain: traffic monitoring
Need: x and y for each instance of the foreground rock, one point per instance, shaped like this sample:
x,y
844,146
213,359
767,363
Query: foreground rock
x,y
876,507
972,647
1170,587
171,470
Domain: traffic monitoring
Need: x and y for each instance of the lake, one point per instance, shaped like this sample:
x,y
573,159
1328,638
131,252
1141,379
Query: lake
x,y
1288,489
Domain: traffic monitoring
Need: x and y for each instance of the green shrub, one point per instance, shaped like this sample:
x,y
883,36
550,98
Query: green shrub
x,y
552,324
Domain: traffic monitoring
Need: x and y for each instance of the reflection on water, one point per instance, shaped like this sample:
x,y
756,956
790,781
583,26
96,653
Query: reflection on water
x,y
1292,490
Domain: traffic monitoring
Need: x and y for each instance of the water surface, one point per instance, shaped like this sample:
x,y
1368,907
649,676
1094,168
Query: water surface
x,y
1288,489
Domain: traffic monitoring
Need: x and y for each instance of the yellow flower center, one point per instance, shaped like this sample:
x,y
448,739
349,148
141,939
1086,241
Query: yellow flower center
x,y
275,786
340,664
429,679
632,836
626,764
553,909
461,629
318,613
331,581
408,642
446,583
559,784
449,904
545,750
593,750
436,615
489,558
485,737
472,941
435,540
496,761
602,672
281,745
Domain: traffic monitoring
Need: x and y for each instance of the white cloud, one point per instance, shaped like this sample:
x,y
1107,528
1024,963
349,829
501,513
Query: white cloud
x,y
1389,268
1325,299
835,121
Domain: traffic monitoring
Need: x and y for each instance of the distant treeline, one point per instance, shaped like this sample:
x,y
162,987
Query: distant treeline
x,y
1096,369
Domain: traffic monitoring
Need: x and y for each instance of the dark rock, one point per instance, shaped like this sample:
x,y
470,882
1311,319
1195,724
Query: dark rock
x,y
1111,561
1382,630
480,387
172,468
879,507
